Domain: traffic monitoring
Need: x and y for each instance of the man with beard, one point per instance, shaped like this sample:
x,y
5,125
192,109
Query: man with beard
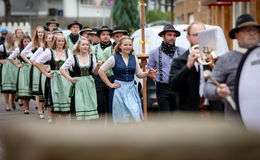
x,y
102,89
72,39
94,38
117,33
51,24
161,59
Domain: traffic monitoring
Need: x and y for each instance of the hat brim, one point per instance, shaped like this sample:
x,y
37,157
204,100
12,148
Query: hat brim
x,y
82,31
109,30
119,31
235,30
48,23
80,25
170,30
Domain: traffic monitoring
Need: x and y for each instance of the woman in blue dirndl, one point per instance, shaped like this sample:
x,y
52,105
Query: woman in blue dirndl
x,y
126,103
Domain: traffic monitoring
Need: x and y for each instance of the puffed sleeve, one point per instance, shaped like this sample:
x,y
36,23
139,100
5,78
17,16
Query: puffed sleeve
x,y
110,63
94,62
14,54
27,50
37,54
68,63
44,57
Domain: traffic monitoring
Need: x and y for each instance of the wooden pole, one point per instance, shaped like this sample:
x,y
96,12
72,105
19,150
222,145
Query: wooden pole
x,y
143,60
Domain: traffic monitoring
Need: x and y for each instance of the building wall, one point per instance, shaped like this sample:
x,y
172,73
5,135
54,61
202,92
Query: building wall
x,y
74,9
190,8
2,8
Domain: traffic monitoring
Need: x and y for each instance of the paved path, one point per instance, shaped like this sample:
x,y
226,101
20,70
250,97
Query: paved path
x,y
7,117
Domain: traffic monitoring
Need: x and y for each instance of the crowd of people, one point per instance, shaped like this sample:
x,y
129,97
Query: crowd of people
x,y
85,76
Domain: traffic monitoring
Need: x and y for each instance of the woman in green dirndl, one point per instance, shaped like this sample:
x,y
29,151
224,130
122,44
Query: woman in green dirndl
x,y
9,74
48,42
26,54
83,91
57,87
23,89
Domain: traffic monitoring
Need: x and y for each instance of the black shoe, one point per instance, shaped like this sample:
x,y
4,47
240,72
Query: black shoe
x,y
14,107
8,109
20,104
26,112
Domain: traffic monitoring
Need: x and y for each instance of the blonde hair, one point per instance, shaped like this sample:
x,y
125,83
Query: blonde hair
x,y
10,45
119,43
35,39
46,36
54,46
76,47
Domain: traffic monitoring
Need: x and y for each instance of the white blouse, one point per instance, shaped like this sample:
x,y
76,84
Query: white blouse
x,y
46,56
27,51
110,63
70,62
15,53
36,54
1,48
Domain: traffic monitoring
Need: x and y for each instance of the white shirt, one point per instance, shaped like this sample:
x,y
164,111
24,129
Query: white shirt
x,y
36,54
45,56
27,51
70,62
1,48
202,79
15,53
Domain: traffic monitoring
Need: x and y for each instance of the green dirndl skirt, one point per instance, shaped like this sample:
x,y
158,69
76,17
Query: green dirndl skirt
x,y
35,80
24,91
9,77
85,98
60,86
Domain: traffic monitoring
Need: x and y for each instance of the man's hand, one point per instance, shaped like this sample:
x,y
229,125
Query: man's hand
x,y
192,58
223,90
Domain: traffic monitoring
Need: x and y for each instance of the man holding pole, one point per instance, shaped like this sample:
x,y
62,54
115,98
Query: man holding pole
x,y
161,59
247,33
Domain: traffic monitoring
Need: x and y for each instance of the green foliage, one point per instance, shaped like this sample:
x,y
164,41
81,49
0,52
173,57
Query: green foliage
x,y
156,15
125,13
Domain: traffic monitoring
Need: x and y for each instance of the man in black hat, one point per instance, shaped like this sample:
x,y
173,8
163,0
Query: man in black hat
x,y
117,33
51,24
84,32
72,39
94,39
247,34
161,59
102,89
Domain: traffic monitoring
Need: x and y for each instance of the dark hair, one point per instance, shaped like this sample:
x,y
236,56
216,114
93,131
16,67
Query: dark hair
x,y
20,45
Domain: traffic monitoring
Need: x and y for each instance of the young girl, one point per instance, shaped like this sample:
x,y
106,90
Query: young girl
x,y
26,54
48,42
23,89
126,104
83,63
57,87
9,75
